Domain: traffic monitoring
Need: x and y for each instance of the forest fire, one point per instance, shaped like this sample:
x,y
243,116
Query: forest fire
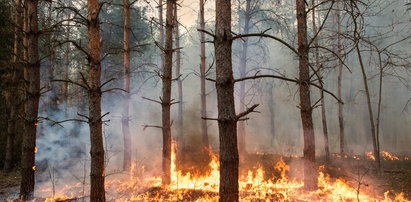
x,y
253,184
266,100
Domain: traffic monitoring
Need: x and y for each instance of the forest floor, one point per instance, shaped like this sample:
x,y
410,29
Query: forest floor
x,y
395,175
9,185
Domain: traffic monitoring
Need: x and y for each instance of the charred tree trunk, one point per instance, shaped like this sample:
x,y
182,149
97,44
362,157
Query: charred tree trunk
x,y
180,121
203,78
339,84
126,105
310,177
243,70
166,98
13,99
32,77
323,112
97,192
227,121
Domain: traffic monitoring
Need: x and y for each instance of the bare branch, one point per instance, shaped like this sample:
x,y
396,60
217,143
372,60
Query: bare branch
x,y
207,32
156,101
151,126
246,112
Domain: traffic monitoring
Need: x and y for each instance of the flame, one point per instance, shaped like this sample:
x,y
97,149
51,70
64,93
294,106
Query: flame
x,y
35,149
254,185
390,157
370,155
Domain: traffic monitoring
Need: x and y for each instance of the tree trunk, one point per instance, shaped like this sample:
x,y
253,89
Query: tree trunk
x,y
203,78
357,38
243,70
271,108
66,69
97,174
227,121
166,98
339,83
180,123
32,76
13,97
379,101
323,112
52,98
126,117
310,172
161,30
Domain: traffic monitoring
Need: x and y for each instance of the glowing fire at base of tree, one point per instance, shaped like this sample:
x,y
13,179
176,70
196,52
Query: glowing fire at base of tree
x,y
254,185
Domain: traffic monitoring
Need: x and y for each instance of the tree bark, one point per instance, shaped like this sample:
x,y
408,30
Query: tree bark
x,y
310,173
323,111
32,77
166,98
339,83
13,97
97,192
126,86
203,78
227,120
243,70
161,30
180,120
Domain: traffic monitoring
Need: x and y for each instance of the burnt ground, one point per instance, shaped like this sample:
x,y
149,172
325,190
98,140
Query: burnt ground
x,y
395,175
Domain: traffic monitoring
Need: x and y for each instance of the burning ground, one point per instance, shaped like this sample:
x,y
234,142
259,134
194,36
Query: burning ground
x,y
264,177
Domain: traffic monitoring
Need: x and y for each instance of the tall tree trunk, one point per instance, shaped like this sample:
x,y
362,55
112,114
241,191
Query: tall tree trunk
x,y
97,173
203,78
310,177
243,70
32,76
323,112
339,82
52,98
180,121
13,99
379,101
126,117
66,69
271,108
161,30
166,98
357,38
227,121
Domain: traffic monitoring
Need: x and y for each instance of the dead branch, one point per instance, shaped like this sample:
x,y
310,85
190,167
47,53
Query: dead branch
x,y
263,34
85,80
246,112
151,126
113,89
207,32
152,100
70,81
291,80
210,119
